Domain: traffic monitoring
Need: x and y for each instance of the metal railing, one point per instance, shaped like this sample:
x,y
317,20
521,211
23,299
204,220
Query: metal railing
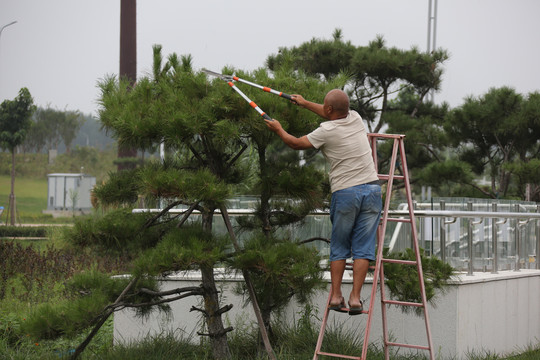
x,y
476,239
470,236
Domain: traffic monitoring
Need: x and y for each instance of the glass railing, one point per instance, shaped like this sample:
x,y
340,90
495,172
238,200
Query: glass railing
x,y
469,234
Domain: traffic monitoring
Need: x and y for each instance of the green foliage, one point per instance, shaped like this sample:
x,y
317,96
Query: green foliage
x,y
318,56
15,119
51,126
496,129
181,249
121,189
437,173
88,293
376,71
20,231
403,281
171,181
288,191
281,269
26,348
87,160
70,316
25,270
527,173
118,231
10,329
36,166
92,280
165,346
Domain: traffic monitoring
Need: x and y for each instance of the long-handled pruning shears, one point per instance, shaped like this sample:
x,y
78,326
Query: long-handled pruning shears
x,y
231,78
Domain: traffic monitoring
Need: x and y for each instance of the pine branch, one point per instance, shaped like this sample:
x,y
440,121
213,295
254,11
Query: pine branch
x,y
187,213
218,334
202,311
233,160
120,306
101,321
170,292
326,240
196,154
152,220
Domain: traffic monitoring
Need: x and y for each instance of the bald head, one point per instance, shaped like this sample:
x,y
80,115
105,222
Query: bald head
x,y
338,102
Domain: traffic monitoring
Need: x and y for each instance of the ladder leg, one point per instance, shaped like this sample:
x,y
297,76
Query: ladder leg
x,y
416,247
323,327
386,340
391,173
380,245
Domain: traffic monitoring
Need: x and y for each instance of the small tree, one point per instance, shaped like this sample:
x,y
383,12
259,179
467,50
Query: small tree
x,y
15,121
495,134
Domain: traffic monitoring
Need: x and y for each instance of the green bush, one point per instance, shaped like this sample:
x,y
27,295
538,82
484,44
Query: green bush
x,y
118,230
403,280
87,295
23,231
29,275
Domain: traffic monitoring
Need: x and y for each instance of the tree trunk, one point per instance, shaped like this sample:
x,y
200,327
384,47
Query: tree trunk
x,y
266,193
12,206
216,330
267,318
249,284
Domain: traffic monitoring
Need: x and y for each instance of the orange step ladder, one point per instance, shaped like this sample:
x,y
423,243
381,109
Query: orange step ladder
x,y
398,149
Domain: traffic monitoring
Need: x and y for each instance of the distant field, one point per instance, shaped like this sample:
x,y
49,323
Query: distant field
x,y
30,196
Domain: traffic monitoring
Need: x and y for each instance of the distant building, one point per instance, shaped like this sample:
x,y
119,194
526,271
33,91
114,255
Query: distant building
x,y
69,192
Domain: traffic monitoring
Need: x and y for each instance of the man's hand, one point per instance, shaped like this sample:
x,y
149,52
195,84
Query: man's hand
x,y
298,100
291,141
311,106
274,125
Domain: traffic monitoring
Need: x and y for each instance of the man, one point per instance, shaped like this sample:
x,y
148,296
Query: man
x,y
356,202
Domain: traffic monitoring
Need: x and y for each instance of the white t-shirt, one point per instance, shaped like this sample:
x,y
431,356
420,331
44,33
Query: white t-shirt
x,y
345,145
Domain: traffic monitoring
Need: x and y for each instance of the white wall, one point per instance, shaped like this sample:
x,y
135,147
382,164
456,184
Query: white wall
x,y
484,312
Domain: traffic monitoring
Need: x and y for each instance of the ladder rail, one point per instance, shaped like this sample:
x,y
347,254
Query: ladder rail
x,y
414,232
389,188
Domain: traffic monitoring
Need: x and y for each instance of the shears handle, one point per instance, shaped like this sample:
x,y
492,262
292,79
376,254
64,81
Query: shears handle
x,y
250,102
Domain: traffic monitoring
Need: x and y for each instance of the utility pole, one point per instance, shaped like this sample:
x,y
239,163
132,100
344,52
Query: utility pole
x,y
128,62
432,32
12,207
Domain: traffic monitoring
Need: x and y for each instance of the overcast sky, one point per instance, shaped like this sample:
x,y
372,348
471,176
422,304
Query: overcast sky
x,y
60,49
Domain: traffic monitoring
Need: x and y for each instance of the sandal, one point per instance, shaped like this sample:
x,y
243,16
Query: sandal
x,y
338,307
356,310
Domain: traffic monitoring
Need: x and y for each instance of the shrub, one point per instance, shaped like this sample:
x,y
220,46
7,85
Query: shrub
x,y
31,274
23,231
118,230
403,281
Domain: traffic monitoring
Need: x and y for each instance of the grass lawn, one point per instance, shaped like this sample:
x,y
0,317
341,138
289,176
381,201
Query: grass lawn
x,y
30,197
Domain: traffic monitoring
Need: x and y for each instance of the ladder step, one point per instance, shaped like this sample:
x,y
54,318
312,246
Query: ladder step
x,y
403,303
339,355
403,220
396,261
386,177
409,346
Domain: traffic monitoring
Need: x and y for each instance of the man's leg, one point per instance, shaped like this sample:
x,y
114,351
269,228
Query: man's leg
x,y
360,269
337,268
365,237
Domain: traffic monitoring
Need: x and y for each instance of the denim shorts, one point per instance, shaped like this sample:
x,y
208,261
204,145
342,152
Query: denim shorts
x,y
355,213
